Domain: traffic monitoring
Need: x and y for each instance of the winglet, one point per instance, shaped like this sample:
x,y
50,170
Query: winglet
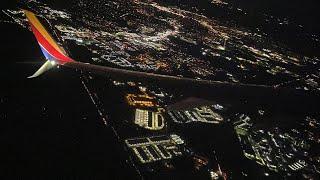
x,y
51,50
45,67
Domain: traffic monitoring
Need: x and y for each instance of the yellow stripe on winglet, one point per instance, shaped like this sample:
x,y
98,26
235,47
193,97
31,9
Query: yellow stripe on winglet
x,y
37,24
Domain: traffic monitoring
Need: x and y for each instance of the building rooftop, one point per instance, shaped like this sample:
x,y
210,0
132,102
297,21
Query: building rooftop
x,y
151,120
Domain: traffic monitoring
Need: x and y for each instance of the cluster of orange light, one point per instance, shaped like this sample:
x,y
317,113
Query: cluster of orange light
x,y
199,161
161,65
144,100
144,58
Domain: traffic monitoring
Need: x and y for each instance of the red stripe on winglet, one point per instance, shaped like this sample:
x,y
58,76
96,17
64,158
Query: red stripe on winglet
x,y
49,48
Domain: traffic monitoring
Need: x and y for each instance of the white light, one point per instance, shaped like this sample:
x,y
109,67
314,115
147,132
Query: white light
x,y
53,63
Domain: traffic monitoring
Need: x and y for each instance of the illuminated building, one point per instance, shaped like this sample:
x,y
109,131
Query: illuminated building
x,y
155,148
199,114
141,100
149,119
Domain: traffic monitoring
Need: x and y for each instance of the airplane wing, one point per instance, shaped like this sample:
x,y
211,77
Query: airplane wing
x,y
56,55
